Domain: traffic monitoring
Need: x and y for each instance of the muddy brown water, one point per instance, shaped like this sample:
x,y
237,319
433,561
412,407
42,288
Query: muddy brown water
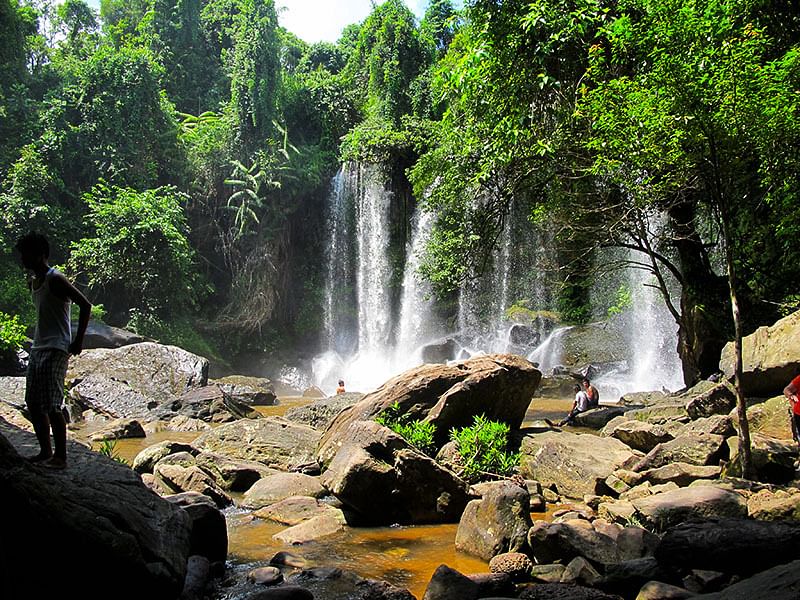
x,y
405,556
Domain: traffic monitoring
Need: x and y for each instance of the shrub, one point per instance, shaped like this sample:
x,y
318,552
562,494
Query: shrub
x,y
417,433
483,450
12,333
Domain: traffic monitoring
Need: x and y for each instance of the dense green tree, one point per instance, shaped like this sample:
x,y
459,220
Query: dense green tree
x,y
137,255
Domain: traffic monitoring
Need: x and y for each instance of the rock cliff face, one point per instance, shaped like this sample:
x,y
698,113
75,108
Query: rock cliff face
x,y
91,530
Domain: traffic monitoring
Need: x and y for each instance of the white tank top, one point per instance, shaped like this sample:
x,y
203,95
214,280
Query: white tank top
x,y
52,324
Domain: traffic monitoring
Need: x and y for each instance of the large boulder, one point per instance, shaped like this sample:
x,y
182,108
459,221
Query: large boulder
x,y
770,358
209,530
129,381
772,460
320,413
637,434
499,386
378,474
96,512
739,546
770,418
100,335
209,403
255,391
597,418
664,510
694,449
280,486
719,400
577,464
496,523
271,441
778,583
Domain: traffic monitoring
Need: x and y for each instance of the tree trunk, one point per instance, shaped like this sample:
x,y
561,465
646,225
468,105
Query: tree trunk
x,y
705,322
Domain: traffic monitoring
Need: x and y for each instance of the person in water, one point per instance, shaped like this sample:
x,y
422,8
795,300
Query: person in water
x,y
52,344
340,389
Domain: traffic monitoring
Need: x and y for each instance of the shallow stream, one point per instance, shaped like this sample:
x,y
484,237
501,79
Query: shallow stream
x,y
404,556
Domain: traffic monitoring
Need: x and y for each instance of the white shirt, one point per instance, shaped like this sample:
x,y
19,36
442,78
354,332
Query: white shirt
x,y
581,401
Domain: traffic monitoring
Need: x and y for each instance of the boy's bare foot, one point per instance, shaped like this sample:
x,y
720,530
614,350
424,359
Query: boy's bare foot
x,y
55,463
39,458
549,423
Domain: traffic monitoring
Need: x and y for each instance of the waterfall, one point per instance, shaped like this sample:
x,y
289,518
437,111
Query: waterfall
x,y
417,320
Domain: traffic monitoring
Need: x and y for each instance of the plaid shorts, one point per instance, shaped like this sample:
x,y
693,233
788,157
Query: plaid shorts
x,y
44,381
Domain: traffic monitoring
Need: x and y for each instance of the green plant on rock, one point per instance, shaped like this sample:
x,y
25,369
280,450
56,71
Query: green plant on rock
x,y
109,448
483,450
419,434
12,333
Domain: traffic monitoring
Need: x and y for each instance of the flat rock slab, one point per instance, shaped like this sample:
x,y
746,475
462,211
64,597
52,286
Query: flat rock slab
x,y
667,509
577,464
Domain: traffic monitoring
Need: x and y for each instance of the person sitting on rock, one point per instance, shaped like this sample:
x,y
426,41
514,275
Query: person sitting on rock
x,y
591,393
580,405
791,392
340,389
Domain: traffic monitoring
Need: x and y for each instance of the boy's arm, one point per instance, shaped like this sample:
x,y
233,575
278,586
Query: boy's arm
x,y
62,287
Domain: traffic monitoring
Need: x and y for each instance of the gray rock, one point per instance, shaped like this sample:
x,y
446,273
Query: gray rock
x,y
580,571
209,403
665,510
576,464
715,425
639,435
96,510
177,478
119,429
778,583
656,590
265,576
719,400
146,460
272,441
327,583
313,529
772,460
280,486
439,352
738,546
378,474
449,584
564,591
100,335
209,537
780,505
681,474
694,449
320,413
232,474
295,509
597,418
255,391
497,523
770,358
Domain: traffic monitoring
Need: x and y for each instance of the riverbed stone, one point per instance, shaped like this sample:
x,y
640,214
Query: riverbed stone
x,y
178,479
319,413
209,403
770,418
271,441
770,357
280,486
579,570
639,435
329,583
732,545
265,576
255,391
680,473
497,523
96,512
383,478
156,371
772,460
714,425
778,505
498,386
694,449
661,511
209,534
659,414
294,510
232,474
449,584
563,591
636,399
658,590
719,400
146,460
319,526
597,418
781,582
119,429
515,564
576,464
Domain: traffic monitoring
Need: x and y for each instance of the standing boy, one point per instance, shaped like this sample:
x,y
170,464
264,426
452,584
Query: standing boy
x,y
52,344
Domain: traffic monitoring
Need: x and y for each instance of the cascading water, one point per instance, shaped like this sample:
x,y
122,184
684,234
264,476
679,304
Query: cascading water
x,y
376,327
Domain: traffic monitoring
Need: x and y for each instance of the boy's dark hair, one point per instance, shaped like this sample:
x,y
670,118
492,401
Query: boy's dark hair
x,y
34,243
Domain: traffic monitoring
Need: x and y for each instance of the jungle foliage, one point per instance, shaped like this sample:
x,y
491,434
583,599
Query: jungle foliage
x,y
666,127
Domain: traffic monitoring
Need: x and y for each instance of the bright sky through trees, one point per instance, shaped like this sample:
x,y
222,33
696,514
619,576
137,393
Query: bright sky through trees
x,y
323,20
